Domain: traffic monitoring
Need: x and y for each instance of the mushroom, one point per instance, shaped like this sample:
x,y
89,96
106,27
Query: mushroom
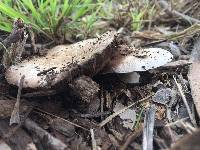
x,y
64,63
137,60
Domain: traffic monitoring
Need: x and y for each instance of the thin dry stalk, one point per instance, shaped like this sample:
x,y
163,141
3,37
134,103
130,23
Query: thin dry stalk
x,y
15,113
188,127
60,118
32,35
108,119
185,102
102,102
194,29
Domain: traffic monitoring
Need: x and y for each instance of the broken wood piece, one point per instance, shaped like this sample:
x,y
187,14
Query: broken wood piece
x,y
87,57
188,142
16,34
13,45
148,128
15,113
63,127
16,139
57,117
39,93
47,140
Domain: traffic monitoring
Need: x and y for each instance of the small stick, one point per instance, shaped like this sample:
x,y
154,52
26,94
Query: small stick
x,y
76,125
108,119
165,5
94,144
98,114
102,102
185,102
33,45
15,114
40,93
176,122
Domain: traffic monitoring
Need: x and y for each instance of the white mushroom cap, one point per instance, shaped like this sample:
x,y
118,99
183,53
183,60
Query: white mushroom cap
x,y
155,57
59,61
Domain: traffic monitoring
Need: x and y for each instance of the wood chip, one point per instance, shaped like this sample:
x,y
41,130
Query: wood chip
x,y
194,75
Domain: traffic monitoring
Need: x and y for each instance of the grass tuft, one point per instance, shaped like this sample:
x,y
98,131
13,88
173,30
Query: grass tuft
x,y
58,19
46,16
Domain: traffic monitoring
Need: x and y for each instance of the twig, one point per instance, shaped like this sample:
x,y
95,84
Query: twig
x,y
33,45
102,102
40,46
108,119
61,119
153,43
188,127
165,5
40,93
194,29
98,114
185,102
15,114
94,144
176,122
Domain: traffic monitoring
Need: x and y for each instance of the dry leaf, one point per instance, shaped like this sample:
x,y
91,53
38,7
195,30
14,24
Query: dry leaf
x,y
162,96
128,117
